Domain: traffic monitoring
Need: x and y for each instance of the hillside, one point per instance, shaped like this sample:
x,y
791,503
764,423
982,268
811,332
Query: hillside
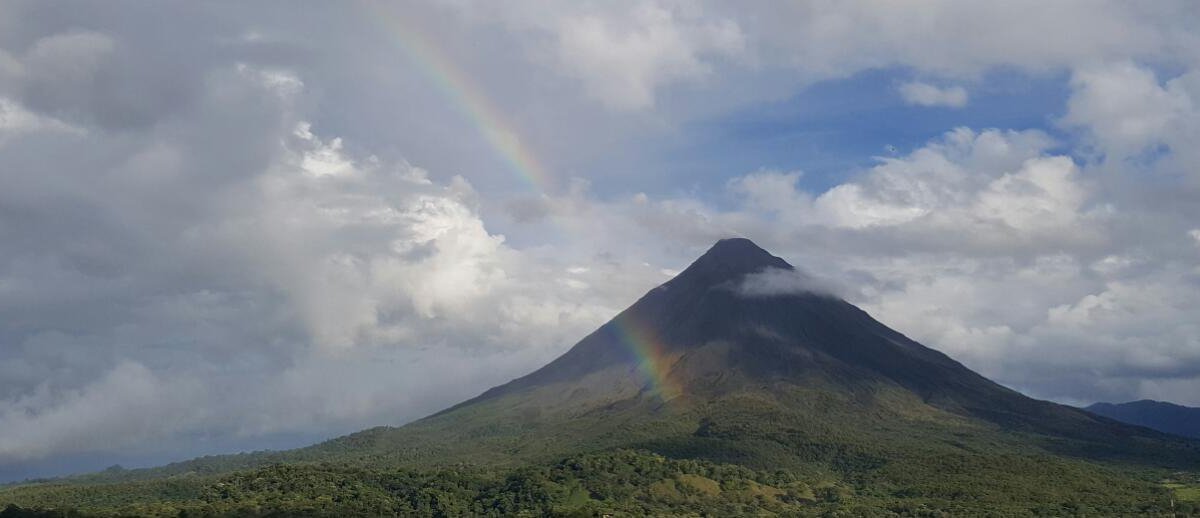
x,y
704,395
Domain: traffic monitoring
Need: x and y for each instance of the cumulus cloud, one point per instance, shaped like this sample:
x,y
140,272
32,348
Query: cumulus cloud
x,y
925,94
1127,112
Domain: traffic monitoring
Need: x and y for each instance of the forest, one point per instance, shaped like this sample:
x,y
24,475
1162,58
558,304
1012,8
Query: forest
x,y
628,483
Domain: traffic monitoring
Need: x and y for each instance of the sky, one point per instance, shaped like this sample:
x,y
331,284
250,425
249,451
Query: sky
x,y
229,226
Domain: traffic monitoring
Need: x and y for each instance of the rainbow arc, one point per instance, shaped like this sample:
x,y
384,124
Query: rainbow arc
x,y
473,103
464,95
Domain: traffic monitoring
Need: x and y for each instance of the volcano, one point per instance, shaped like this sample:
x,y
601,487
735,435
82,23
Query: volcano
x,y
704,334
742,358
738,387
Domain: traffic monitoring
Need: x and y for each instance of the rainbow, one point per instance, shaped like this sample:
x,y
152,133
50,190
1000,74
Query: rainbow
x,y
651,354
466,97
473,104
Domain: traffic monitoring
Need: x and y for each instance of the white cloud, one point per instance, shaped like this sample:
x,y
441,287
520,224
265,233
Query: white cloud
x,y
772,190
1045,194
848,205
778,281
15,120
925,94
992,185
1127,111
129,404
622,62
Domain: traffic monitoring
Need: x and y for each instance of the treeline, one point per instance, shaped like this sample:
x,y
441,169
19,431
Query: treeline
x,y
617,483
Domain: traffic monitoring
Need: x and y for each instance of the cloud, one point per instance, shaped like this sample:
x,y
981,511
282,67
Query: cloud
x,y
627,55
774,282
925,94
1127,112
994,188
15,120
623,62
127,405
621,54
772,190
89,77
962,40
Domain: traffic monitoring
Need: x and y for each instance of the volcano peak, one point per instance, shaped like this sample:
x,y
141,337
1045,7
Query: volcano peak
x,y
732,257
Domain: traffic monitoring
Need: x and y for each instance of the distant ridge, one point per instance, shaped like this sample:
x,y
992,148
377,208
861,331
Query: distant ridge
x,y
1158,415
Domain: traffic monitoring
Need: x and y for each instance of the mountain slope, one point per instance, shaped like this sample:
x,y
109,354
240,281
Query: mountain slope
x,y
697,367
1157,415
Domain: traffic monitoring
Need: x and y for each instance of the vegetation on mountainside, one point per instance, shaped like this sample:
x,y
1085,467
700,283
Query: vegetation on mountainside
x,y
781,450
622,483
1185,488
738,454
